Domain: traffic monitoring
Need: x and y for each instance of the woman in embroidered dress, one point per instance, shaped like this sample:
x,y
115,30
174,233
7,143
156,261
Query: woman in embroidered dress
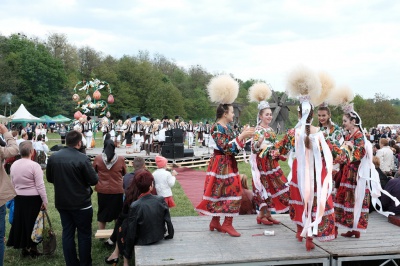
x,y
222,188
269,183
311,205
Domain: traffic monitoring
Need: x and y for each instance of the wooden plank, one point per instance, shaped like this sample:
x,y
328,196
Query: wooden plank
x,y
105,233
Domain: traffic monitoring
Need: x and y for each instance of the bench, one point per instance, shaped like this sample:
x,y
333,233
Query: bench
x,y
104,233
394,219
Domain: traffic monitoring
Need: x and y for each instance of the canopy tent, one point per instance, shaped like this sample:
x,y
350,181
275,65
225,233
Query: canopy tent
x,y
46,119
22,115
133,119
60,119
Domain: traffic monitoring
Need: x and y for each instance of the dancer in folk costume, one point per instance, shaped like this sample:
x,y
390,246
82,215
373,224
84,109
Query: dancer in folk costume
x,y
118,133
148,138
269,183
310,180
331,131
137,129
128,130
222,188
358,177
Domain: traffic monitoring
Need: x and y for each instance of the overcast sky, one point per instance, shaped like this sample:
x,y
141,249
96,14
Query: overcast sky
x,y
356,41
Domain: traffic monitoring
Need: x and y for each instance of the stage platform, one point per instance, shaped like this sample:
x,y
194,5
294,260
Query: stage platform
x,y
200,158
194,244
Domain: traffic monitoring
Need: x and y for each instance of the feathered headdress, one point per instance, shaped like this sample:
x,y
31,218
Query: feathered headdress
x,y
327,85
223,89
260,92
303,82
343,96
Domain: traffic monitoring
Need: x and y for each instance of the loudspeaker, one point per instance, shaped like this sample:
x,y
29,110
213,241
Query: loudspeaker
x,y
169,139
168,133
177,132
57,147
172,150
188,153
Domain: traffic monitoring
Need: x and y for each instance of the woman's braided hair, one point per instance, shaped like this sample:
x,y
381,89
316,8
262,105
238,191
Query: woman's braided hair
x,y
307,141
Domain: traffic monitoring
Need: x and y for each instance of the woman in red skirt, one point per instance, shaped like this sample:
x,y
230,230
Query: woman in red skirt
x,y
310,205
222,187
269,183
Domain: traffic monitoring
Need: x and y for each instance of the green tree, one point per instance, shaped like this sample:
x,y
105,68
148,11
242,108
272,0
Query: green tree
x,y
38,78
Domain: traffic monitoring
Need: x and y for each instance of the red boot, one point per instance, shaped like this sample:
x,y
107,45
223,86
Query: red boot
x,y
215,224
298,234
228,228
356,234
309,243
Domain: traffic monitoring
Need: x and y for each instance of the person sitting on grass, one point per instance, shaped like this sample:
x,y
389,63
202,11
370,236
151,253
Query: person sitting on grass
x,y
247,205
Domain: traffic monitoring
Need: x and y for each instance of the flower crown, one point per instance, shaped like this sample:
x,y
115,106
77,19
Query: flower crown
x,y
263,105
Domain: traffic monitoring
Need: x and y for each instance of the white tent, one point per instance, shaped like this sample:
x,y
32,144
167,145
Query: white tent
x,y
22,115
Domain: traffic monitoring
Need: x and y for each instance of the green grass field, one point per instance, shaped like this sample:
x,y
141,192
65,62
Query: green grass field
x,y
99,250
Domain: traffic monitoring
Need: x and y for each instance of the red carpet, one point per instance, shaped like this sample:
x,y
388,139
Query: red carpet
x,y
192,183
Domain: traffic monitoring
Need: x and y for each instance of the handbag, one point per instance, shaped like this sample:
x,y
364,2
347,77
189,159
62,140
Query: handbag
x,y
37,231
49,243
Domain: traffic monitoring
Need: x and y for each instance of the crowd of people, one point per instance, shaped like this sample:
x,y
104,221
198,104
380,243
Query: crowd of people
x,y
336,176
130,199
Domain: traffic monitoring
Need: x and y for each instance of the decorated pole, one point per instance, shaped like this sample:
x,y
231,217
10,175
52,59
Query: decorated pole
x,y
85,104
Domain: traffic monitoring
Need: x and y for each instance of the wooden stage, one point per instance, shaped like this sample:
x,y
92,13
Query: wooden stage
x,y
194,244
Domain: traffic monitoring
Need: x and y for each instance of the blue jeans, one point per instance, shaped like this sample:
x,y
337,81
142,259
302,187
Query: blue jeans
x,y
81,220
2,232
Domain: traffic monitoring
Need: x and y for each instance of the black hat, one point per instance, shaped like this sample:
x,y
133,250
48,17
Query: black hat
x,y
138,118
177,117
151,119
165,117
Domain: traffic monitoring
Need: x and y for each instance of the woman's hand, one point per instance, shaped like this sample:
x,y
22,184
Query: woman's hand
x,y
247,132
44,206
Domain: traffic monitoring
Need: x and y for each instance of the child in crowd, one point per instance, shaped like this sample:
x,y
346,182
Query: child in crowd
x,y
164,180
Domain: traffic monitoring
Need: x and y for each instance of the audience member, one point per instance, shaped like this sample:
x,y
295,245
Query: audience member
x,y
7,191
164,180
393,187
382,177
72,174
148,216
385,155
110,168
27,178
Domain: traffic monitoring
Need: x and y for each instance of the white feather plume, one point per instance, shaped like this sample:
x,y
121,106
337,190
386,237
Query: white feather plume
x,y
327,84
341,95
303,81
223,89
259,91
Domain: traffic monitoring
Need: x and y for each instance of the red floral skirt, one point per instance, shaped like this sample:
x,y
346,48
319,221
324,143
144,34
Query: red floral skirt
x,y
274,182
222,188
326,228
345,198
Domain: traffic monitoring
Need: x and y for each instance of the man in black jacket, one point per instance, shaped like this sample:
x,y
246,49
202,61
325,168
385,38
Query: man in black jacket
x,y
147,217
72,174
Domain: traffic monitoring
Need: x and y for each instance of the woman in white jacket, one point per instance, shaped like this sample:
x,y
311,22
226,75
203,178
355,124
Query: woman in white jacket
x,y
164,180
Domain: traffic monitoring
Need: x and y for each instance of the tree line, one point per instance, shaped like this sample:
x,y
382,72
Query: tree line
x,y
41,74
